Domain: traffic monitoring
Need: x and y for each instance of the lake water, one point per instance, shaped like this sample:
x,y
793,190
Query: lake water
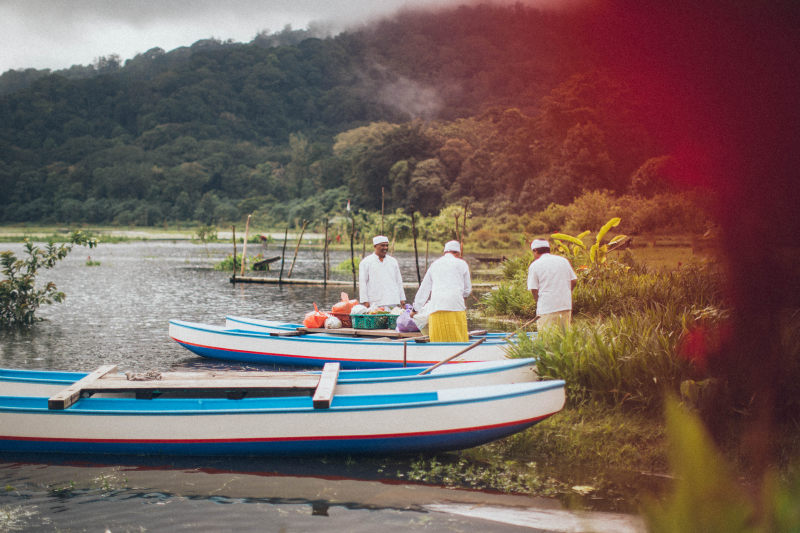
x,y
118,313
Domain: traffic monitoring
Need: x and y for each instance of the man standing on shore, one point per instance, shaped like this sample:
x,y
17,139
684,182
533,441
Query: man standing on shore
x,y
551,280
447,282
380,283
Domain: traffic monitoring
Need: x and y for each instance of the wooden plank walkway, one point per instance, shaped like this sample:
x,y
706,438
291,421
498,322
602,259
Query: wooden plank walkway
x,y
333,282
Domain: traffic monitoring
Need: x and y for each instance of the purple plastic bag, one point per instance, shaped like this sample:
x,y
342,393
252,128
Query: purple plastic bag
x,y
405,324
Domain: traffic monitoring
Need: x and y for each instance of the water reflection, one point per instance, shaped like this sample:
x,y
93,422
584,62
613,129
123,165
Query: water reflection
x,y
118,312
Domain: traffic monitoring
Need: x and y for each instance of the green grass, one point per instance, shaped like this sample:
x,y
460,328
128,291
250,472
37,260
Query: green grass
x,y
588,455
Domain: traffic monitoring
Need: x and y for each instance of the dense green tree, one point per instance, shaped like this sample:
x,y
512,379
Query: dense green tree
x,y
511,118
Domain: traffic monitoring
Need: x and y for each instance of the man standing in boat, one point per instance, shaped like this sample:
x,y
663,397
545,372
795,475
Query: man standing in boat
x,y
446,283
380,282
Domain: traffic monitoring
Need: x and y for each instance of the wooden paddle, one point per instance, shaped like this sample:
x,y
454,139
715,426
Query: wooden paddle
x,y
523,326
440,363
473,333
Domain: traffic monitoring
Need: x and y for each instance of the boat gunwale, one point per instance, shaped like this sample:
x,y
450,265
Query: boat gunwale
x,y
83,406
331,339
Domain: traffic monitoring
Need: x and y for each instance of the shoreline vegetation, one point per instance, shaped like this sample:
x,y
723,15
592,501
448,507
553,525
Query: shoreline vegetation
x,y
648,325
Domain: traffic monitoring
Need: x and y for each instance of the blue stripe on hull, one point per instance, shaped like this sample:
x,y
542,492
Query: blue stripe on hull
x,y
369,445
266,358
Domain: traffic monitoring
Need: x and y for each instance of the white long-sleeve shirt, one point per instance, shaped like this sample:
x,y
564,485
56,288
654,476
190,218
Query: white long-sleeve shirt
x,y
380,282
552,275
447,282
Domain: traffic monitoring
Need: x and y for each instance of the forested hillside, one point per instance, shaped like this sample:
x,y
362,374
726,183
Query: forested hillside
x,y
493,104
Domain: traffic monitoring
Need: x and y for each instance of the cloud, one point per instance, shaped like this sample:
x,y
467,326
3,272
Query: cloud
x,y
57,34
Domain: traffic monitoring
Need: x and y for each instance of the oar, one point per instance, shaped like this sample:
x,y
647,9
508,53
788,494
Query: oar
x,y
523,326
440,363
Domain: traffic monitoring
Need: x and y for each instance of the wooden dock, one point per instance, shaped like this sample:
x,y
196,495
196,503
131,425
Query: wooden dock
x,y
332,282
288,281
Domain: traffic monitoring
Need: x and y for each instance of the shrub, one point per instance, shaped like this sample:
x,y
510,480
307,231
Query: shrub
x,y
19,297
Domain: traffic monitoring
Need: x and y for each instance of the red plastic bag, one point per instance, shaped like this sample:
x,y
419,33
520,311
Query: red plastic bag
x,y
345,305
315,318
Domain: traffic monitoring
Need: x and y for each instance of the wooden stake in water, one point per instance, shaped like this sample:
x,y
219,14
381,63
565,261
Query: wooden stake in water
x,y
244,246
414,236
352,252
325,257
283,252
302,231
463,228
233,230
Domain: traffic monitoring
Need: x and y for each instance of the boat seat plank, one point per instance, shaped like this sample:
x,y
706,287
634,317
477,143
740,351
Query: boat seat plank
x,y
362,332
65,398
235,384
308,382
327,384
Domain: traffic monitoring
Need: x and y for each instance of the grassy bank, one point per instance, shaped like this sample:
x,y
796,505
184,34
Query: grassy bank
x,y
640,336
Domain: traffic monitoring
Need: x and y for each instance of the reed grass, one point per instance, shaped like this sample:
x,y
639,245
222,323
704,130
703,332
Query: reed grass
x,y
622,348
627,361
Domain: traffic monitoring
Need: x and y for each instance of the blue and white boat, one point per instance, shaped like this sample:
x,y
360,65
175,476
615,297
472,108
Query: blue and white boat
x,y
316,349
104,412
275,326
376,381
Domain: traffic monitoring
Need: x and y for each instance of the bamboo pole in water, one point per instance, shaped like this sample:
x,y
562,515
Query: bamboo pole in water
x,y
416,254
233,279
283,252
244,246
352,253
325,257
302,231
427,248
463,227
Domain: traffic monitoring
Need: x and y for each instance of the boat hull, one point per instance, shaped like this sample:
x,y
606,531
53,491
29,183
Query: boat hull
x,y
379,381
354,424
316,350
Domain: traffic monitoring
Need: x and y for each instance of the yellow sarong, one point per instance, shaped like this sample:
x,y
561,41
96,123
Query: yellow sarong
x,y
448,326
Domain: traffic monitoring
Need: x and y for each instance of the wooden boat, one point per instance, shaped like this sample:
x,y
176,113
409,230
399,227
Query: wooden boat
x,y
366,349
375,381
226,415
275,326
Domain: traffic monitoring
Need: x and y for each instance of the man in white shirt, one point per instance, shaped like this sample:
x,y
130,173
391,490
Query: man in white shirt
x,y
446,283
380,283
551,280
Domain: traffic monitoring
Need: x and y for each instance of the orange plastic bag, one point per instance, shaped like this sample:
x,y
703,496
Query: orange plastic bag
x,y
315,318
345,305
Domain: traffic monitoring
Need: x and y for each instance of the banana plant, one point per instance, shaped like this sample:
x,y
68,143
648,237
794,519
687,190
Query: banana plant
x,y
575,249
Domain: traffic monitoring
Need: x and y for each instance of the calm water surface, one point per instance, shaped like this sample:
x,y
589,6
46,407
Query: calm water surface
x,y
118,313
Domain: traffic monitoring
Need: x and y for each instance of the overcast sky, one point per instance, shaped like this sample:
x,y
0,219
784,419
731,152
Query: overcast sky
x,y
57,34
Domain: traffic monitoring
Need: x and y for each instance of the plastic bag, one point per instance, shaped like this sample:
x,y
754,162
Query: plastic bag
x,y
345,305
421,318
315,318
406,324
332,322
358,310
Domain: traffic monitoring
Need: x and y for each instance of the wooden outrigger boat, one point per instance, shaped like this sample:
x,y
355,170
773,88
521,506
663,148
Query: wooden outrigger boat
x,y
361,349
376,381
256,413
275,326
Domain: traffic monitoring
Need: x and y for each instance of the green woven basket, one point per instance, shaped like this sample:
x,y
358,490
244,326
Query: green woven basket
x,y
370,321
